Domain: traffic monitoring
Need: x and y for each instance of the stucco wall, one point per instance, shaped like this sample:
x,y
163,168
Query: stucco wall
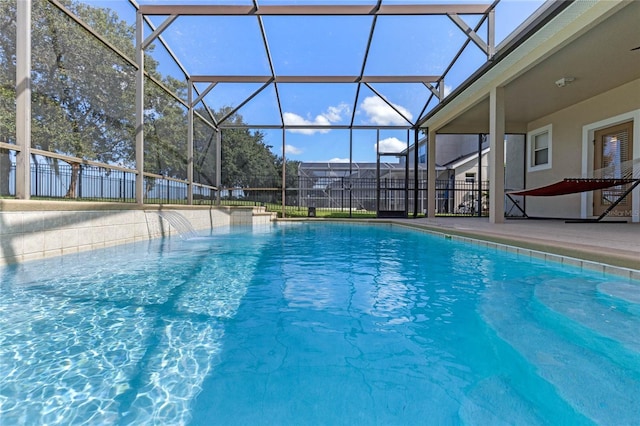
x,y
567,147
451,147
472,167
32,230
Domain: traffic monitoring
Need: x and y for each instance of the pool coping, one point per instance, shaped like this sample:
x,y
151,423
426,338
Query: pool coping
x,y
620,264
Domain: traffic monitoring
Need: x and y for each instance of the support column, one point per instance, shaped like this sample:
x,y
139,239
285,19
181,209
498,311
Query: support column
x,y
219,165
23,99
431,174
406,177
480,177
350,171
139,109
496,155
416,170
284,173
190,144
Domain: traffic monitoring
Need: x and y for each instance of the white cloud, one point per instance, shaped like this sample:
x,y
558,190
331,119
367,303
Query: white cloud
x,y
447,89
332,115
339,160
391,145
292,150
291,119
380,113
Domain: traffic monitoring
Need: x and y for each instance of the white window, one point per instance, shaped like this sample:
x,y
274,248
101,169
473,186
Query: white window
x,y
539,149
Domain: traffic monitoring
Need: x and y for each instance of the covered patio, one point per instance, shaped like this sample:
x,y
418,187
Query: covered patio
x,y
575,77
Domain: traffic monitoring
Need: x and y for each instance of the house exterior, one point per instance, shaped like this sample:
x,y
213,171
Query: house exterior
x,y
334,185
331,184
569,81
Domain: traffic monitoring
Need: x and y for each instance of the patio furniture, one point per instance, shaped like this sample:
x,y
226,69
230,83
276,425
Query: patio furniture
x,y
576,185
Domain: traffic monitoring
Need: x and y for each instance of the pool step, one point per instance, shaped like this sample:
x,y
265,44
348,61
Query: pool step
x,y
591,383
494,402
186,350
220,285
577,300
625,291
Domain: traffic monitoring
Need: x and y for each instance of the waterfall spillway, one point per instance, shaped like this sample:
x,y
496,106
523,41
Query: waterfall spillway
x,y
180,223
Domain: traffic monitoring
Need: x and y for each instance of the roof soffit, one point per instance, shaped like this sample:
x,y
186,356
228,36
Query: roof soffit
x,y
582,42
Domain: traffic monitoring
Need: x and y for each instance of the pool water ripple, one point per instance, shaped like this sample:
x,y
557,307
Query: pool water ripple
x,y
315,324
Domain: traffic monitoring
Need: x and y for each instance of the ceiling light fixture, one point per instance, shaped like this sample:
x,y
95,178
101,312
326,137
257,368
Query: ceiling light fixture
x,y
564,81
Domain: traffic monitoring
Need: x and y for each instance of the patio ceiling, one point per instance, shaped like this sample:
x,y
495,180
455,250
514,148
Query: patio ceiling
x,y
600,59
269,61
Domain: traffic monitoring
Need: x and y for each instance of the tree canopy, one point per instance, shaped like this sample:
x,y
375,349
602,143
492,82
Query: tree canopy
x,y
83,97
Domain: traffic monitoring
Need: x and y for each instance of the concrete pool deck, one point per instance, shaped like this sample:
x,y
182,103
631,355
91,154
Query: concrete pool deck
x,y
616,244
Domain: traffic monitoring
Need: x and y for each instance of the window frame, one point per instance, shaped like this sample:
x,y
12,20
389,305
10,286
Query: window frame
x,y
531,150
470,177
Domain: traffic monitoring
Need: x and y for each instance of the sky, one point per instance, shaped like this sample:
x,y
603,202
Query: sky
x,y
326,45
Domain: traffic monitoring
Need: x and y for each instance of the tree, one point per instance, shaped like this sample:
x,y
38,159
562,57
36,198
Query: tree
x,y
7,134
246,159
291,170
166,130
204,140
83,103
82,92
7,88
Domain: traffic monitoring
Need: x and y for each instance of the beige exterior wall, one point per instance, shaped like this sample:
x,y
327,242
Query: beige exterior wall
x,y
471,166
33,230
572,155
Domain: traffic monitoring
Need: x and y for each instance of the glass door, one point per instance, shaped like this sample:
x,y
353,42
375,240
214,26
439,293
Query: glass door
x,y
613,147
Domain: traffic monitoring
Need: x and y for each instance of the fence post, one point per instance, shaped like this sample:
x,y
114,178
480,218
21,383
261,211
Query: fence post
x,y
342,194
121,186
36,174
80,181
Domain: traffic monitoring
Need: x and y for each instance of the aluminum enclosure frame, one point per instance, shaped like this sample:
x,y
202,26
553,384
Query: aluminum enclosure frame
x,y
435,84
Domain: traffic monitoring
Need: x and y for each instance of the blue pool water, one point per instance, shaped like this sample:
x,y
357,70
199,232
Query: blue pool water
x,y
316,324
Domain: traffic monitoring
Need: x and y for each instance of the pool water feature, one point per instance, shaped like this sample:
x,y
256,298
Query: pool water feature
x,y
180,223
316,324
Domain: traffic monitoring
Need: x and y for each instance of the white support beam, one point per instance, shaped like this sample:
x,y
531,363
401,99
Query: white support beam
x,y
156,33
203,94
473,36
190,144
317,10
231,78
431,173
284,174
316,79
258,126
218,164
437,92
139,109
23,99
491,34
400,78
496,155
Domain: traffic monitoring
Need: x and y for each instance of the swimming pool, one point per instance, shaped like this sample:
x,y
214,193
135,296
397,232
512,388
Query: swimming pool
x,y
316,324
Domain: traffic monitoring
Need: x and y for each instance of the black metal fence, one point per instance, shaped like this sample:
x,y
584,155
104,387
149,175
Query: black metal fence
x,y
363,195
61,181
342,195
93,183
